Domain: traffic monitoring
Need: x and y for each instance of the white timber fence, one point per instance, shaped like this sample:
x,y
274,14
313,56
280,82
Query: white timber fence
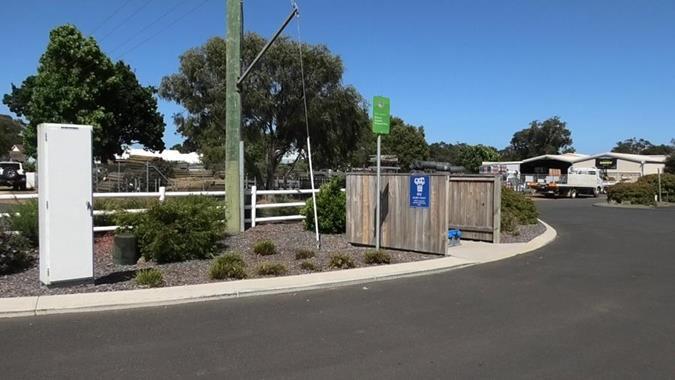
x,y
162,194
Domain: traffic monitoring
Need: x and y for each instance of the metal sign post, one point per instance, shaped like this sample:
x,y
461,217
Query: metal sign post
x,y
381,123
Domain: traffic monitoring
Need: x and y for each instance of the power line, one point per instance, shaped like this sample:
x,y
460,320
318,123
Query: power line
x,y
150,25
172,23
143,6
110,16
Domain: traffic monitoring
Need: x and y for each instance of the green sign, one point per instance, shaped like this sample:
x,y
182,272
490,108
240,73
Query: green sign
x,y
381,115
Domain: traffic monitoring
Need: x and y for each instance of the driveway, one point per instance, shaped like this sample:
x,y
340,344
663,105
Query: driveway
x,y
599,302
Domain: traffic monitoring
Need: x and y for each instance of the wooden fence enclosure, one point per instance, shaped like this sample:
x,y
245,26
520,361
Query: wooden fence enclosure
x,y
468,203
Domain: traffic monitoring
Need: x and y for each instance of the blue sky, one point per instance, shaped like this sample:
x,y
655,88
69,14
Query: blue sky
x,y
473,71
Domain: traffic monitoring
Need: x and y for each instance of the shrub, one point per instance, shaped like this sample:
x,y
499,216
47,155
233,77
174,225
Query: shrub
x,y
24,219
308,265
229,265
272,269
150,277
376,257
331,204
634,193
304,254
176,230
667,185
516,209
341,261
264,248
14,250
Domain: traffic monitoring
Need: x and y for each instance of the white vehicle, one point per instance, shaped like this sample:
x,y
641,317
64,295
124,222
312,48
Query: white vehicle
x,y
577,181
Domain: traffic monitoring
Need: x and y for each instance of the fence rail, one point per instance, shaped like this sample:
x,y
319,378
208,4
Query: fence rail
x,y
162,194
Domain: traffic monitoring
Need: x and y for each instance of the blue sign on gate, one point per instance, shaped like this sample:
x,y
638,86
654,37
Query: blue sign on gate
x,y
419,191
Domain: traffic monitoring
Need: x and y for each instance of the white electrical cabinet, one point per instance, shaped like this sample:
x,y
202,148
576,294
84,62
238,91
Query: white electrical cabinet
x,y
65,196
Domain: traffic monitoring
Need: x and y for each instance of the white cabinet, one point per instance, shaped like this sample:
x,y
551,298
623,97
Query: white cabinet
x,y
65,196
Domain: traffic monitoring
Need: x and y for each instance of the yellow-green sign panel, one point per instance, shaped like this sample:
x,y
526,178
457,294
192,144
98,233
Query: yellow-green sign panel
x,y
381,117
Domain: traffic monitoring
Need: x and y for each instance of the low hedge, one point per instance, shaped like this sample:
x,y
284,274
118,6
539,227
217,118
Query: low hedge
x,y
517,209
667,185
640,193
331,205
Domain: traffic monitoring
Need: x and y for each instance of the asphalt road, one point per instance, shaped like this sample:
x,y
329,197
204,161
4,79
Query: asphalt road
x,y
599,302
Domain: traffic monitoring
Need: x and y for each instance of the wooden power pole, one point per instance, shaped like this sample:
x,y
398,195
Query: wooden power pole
x,y
233,117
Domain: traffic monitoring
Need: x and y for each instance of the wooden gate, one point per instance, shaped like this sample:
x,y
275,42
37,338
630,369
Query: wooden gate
x,y
474,206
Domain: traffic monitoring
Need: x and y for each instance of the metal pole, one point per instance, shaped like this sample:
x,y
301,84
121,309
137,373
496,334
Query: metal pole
x,y
233,117
660,197
377,202
267,46
311,180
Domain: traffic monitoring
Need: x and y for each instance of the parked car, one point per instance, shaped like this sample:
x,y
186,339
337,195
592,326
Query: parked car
x,y
12,174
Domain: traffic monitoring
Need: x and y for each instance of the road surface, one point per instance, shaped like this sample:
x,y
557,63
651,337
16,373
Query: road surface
x,y
599,302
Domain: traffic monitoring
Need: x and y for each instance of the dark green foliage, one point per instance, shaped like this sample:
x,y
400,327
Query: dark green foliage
x,y
642,146
667,185
376,257
331,204
26,222
229,265
10,134
77,83
550,136
516,209
14,250
272,269
150,277
309,266
264,248
639,193
178,229
405,141
303,254
670,164
341,261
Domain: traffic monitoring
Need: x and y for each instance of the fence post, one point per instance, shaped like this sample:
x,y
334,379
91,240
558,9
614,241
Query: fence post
x,y
162,194
254,188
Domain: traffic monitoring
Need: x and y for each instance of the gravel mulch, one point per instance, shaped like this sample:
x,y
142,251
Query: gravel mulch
x,y
287,237
524,233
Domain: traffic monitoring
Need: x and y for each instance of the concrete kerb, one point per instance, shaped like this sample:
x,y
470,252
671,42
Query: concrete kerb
x,y
128,299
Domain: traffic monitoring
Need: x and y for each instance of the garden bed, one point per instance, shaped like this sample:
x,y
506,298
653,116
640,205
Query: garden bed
x,y
288,238
523,233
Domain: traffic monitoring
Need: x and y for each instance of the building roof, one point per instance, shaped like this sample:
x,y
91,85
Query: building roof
x,y
639,158
567,157
166,155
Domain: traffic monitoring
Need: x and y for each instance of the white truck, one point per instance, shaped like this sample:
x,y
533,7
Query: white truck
x,y
577,181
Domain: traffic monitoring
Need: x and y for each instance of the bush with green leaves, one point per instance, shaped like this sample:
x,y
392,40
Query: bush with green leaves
x,y
229,265
667,185
516,209
331,205
376,257
177,229
14,252
304,254
272,269
309,266
24,219
150,277
341,261
637,193
264,248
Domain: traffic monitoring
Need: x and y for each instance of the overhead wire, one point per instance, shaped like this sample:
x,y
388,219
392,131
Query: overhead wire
x,y
126,20
110,16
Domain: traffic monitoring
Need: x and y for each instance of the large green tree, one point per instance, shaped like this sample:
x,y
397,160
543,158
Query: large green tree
x,y
472,156
642,146
550,136
272,105
77,83
10,133
405,141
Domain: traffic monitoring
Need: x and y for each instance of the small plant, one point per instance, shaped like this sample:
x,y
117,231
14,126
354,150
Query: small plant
x,y
272,269
341,261
24,219
14,250
304,254
264,248
150,277
308,265
229,265
331,207
376,257
516,209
